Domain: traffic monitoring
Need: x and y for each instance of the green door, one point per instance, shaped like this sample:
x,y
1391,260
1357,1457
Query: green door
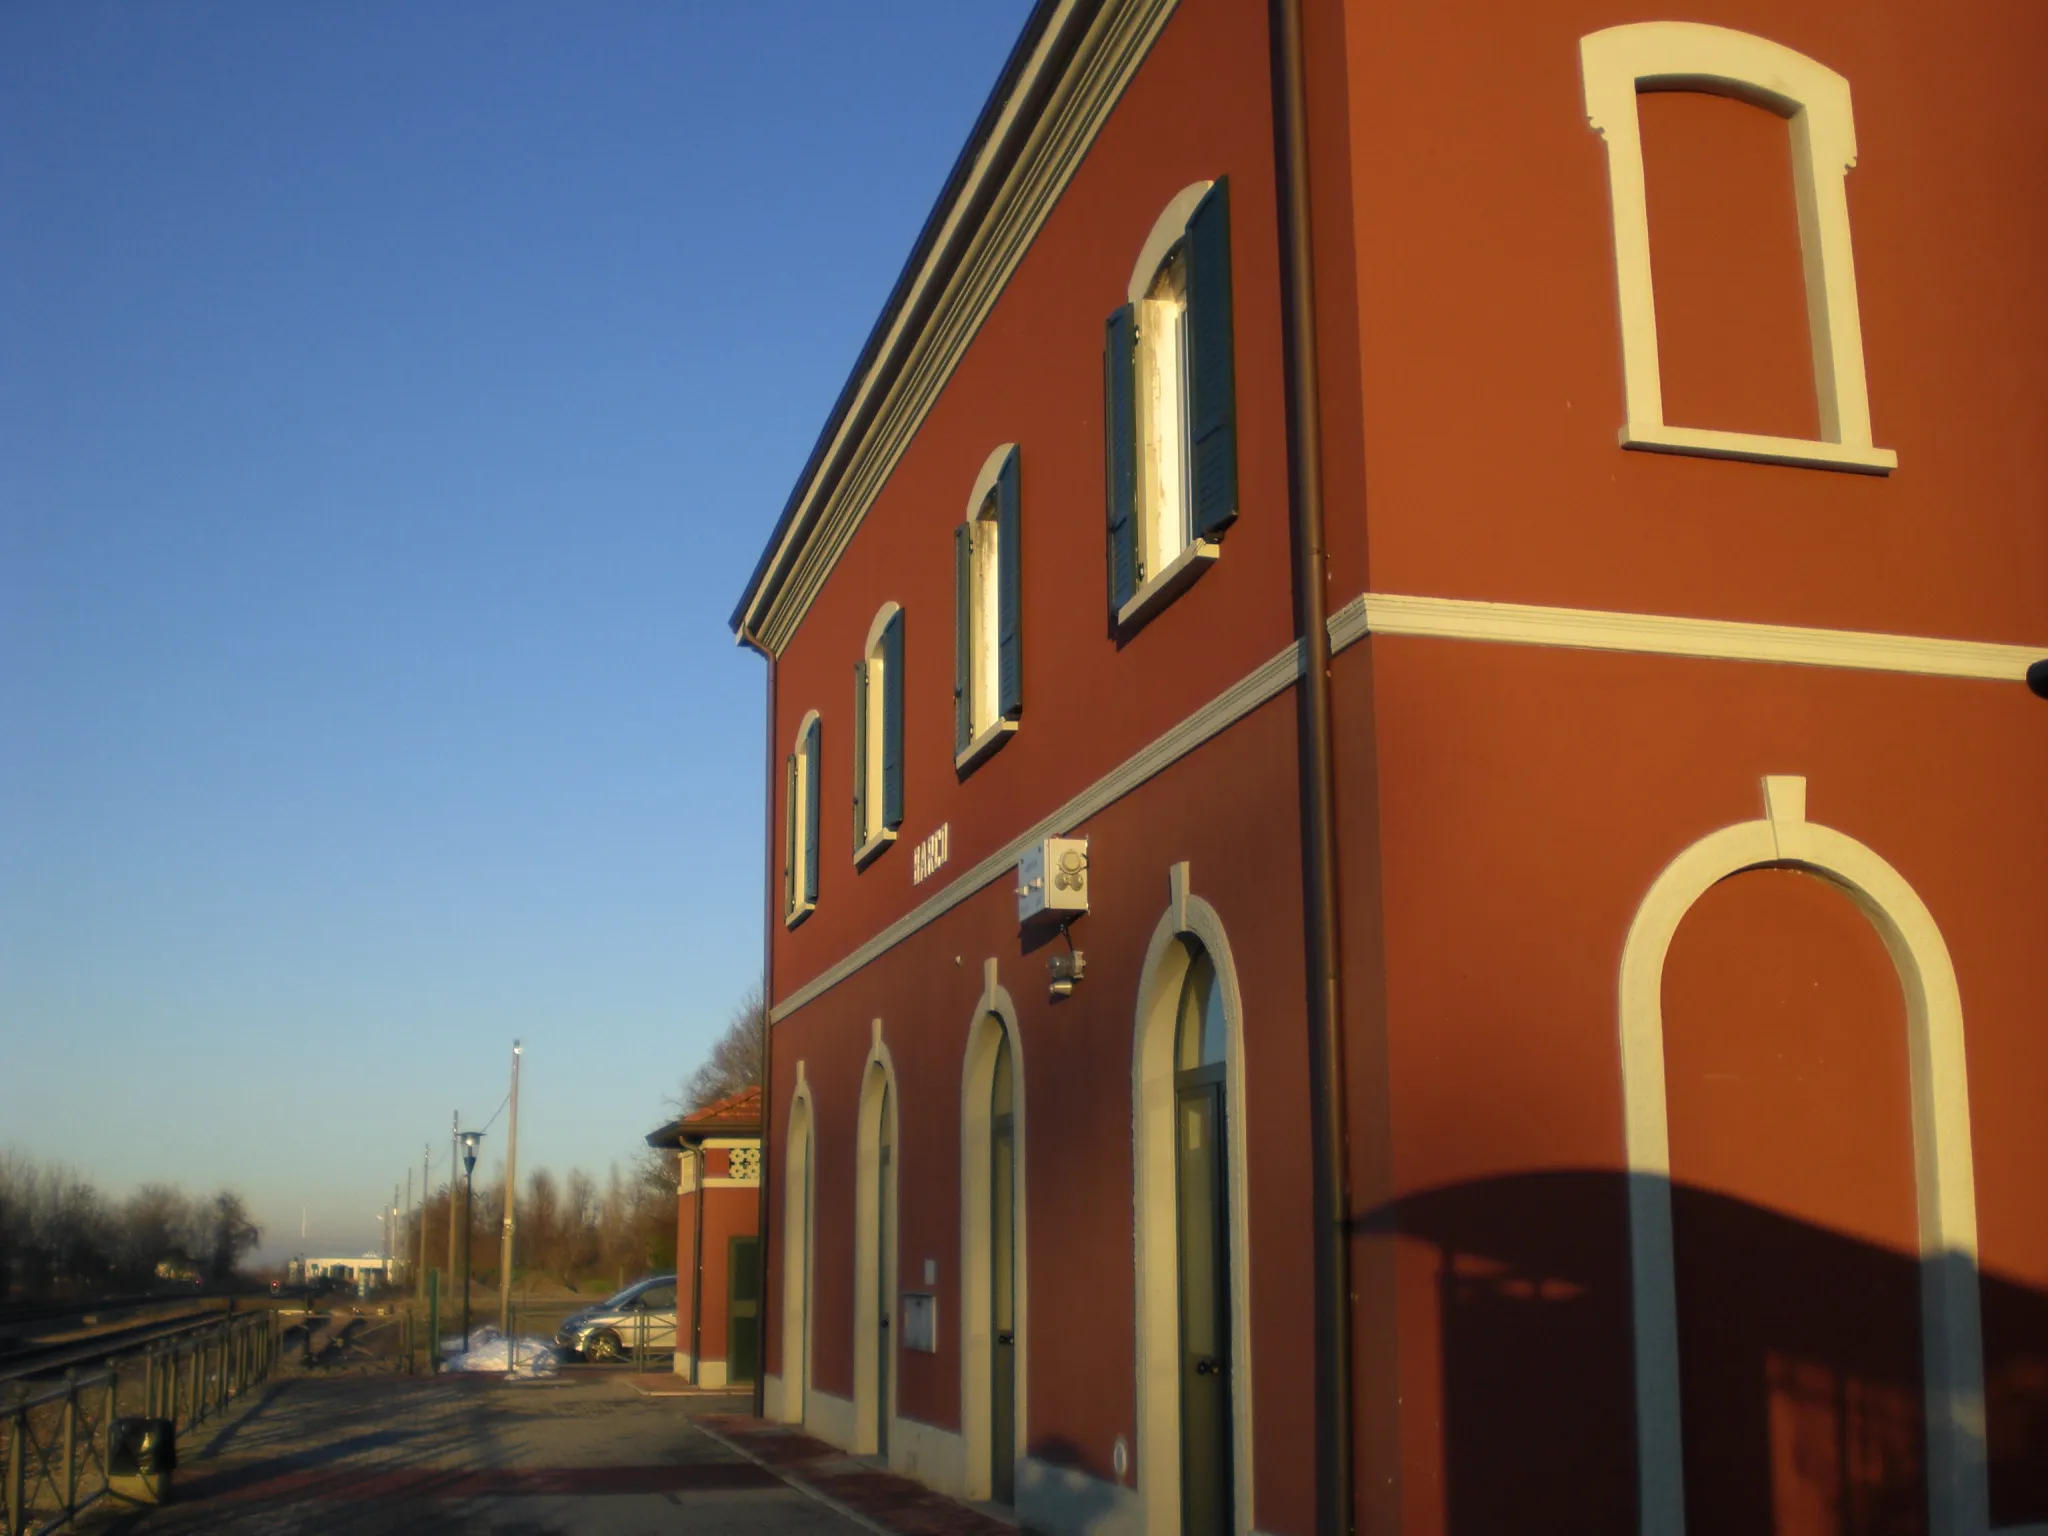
x,y
1201,1178
1002,1205
743,1309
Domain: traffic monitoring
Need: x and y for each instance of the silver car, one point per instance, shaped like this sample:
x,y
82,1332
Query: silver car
x,y
643,1315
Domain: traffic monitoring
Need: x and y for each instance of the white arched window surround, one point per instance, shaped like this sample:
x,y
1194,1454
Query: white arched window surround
x,y
1944,1179
988,725
995,1018
878,711
1680,55
1170,554
870,1263
800,832
1157,1210
789,1393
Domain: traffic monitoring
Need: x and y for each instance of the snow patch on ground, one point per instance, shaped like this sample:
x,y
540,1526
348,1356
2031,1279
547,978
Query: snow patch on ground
x,y
518,1359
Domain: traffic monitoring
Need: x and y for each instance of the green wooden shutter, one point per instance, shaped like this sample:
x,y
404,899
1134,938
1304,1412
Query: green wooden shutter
x,y
1120,453
963,636
789,811
860,754
1009,593
892,721
810,752
1212,393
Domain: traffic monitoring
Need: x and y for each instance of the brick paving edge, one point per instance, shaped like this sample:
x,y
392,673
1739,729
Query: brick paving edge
x,y
865,1522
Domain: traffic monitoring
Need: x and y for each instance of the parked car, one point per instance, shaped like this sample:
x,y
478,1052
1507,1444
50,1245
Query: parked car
x,y
644,1313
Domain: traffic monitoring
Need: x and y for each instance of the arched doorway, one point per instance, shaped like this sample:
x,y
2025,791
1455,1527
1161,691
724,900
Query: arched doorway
x,y
992,1246
1944,1182
1202,1192
874,1281
1194,1450
796,1259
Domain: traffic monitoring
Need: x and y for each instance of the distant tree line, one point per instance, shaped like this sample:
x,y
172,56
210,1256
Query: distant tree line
x,y
571,1229
61,1236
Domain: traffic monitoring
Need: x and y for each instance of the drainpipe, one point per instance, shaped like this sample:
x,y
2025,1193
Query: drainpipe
x,y
1331,1193
767,1041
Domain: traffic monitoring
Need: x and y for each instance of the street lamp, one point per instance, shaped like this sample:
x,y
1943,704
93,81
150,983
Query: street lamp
x,y
469,1141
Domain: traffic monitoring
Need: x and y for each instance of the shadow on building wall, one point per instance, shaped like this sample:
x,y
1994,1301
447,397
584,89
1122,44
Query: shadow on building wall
x,y
1801,1388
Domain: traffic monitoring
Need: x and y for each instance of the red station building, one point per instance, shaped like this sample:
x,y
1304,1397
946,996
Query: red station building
x,y
1425,912
718,1217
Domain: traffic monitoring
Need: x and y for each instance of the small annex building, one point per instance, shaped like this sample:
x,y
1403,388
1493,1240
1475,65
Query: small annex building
x,y
718,1306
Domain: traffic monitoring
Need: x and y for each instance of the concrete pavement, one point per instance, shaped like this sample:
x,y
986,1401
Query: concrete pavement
x,y
393,1455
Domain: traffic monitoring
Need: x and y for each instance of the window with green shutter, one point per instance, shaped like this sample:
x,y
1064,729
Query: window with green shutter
x,y
800,825
988,620
878,736
1170,413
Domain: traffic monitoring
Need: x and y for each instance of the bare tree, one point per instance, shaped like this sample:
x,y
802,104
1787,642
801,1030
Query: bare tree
x,y
738,1059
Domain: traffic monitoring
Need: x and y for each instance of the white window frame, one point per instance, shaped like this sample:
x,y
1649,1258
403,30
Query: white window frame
x,y
987,726
1619,62
803,900
875,835
1168,556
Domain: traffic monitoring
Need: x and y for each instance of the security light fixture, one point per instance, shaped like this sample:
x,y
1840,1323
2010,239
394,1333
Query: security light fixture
x,y
469,1141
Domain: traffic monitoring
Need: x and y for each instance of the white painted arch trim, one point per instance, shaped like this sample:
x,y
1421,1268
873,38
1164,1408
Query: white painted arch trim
x,y
995,1018
872,647
985,481
802,902
799,1252
1167,232
1157,1208
1944,1178
870,1229
1681,55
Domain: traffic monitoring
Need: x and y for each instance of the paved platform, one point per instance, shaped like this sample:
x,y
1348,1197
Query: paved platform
x,y
855,1484
402,1456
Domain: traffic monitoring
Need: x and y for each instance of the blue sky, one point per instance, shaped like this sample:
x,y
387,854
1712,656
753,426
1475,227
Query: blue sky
x,y
393,400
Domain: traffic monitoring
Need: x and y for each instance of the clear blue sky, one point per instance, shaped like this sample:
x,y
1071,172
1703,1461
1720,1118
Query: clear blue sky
x,y
393,399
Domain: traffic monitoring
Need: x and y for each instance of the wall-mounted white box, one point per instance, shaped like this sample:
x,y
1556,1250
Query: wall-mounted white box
x,y
1052,880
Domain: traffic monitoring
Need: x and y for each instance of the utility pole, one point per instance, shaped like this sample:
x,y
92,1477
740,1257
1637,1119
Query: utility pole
x,y
454,1157
420,1269
407,1208
511,1195
391,1238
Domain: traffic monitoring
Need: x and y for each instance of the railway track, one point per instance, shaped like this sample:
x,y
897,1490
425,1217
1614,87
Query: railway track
x,y
38,1360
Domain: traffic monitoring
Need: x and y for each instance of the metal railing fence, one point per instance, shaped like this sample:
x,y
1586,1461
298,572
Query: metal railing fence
x,y
56,1442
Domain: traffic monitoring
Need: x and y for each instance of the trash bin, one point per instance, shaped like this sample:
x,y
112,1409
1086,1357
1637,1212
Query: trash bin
x,y
141,1456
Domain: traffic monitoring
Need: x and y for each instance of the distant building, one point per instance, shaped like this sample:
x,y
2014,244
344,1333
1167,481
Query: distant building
x,y
1678,898
718,1310
361,1270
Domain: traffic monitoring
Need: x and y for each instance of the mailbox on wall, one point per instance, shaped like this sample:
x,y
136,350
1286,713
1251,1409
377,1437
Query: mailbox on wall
x,y
921,1321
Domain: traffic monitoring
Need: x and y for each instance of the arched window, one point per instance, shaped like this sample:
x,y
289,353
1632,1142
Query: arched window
x,y
800,824
1676,55
988,663
1169,387
878,736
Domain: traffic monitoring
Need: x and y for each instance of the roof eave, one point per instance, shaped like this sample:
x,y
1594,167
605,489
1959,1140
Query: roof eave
x,y
802,509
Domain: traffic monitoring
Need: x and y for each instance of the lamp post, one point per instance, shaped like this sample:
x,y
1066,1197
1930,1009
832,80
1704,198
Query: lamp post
x,y
469,1141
